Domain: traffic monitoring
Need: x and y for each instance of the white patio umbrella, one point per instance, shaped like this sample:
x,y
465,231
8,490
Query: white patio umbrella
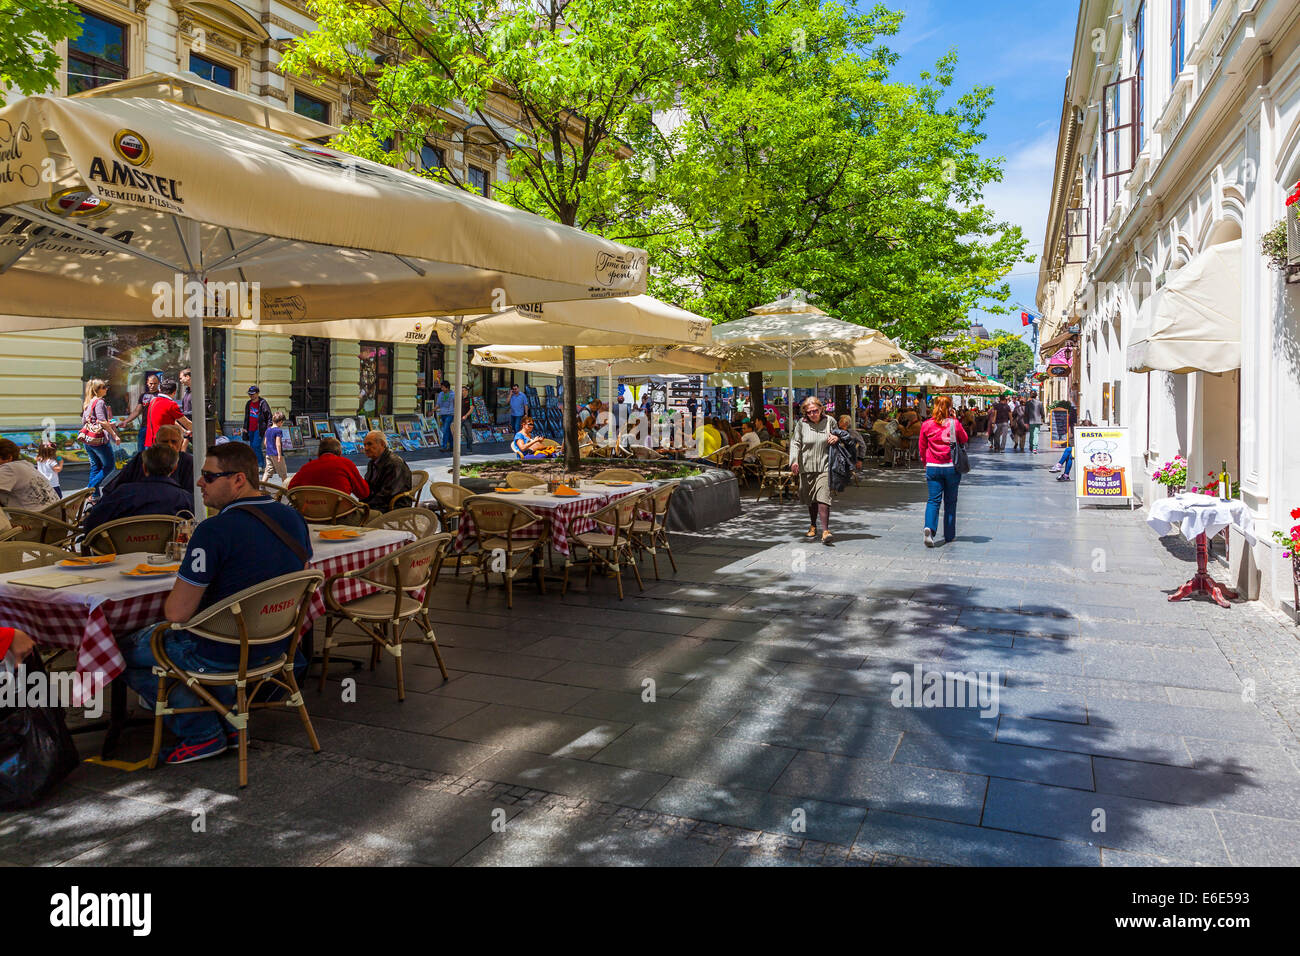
x,y
610,361
912,372
115,208
789,333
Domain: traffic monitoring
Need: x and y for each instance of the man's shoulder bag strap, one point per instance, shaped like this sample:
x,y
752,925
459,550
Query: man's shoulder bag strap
x,y
279,532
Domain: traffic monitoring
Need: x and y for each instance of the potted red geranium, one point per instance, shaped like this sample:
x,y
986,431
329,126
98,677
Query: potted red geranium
x,y
1289,541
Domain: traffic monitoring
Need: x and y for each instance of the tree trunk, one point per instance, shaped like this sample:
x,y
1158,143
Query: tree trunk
x,y
570,409
755,395
844,401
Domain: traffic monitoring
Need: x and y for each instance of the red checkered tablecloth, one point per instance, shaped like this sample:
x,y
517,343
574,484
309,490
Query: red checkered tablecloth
x,y
86,619
566,519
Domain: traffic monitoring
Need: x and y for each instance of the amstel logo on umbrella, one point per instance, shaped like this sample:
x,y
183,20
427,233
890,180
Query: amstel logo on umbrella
x,y
132,147
77,203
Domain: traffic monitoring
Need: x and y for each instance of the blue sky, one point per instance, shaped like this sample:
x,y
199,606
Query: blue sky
x,y
1022,49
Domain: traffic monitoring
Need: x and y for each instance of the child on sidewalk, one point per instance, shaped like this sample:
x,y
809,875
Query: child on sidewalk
x,y
275,449
49,464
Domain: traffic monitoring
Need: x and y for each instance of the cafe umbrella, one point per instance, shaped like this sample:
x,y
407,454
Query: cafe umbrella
x,y
620,326
790,333
121,207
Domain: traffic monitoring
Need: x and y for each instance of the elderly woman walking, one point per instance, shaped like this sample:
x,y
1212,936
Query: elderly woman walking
x,y
810,440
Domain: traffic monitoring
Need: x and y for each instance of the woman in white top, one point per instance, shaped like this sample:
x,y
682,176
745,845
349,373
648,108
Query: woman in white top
x,y
21,485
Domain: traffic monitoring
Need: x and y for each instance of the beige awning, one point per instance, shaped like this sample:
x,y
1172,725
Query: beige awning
x,y
613,361
912,372
1193,324
326,235
630,320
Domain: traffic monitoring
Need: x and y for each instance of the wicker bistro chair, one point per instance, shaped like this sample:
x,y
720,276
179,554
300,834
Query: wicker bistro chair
x,y
619,474
320,505
612,546
70,508
775,474
497,527
275,491
26,555
40,527
148,533
448,502
421,522
521,480
383,617
410,499
8,534
650,525
266,613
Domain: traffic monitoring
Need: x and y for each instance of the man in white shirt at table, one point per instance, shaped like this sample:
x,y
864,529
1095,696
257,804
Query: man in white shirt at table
x,y
229,552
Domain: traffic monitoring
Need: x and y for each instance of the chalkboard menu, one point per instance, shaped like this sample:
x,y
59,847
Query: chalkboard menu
x,y
1060,424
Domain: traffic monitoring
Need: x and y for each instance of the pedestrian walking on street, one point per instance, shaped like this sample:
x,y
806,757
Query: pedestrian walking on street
x,y
152,384
49,464
98,433
275,449
811,438
1019,430
1000,425
1034,420
518,407
466,407
939,437
257,419
1067,456
446,415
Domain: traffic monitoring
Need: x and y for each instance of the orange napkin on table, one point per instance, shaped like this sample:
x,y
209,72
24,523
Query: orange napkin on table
x,y
567,491
340,534
92,559
154,568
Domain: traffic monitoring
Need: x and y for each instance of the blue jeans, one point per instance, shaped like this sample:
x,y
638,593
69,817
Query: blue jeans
x,y
185,651
1033,437
256,439
943,484
514,423
101,463
446,438
1067,460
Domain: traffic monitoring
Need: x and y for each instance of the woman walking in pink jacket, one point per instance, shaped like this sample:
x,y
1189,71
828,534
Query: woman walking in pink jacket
x,y
940,434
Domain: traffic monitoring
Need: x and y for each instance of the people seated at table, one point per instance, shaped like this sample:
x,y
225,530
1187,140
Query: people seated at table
x,y
526,446
859,443
329,469
229,552
387,474
21,485
133,470
156,493
749,436
889,434
909,423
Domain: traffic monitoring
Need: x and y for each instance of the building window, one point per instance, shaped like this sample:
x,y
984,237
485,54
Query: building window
x,y
98,56
212,72
1177,39
478,180
431,157
376,383
311,107
1140,71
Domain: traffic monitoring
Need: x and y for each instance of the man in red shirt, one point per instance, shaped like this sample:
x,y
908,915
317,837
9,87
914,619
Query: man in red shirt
x,y
163,410
331,470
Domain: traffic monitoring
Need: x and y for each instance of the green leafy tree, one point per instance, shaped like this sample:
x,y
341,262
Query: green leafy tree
x,y
32,28
800,164
1015,360
583,78
962,348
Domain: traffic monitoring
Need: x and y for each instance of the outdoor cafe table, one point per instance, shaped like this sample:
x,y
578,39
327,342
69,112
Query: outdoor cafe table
x,y
1199,518
88,618
566,515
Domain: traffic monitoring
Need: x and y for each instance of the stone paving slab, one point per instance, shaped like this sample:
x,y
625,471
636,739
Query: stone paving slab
x,y
773,703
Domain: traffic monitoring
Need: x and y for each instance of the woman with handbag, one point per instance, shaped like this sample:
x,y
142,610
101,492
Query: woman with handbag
x,y
941,446
811,438
98,433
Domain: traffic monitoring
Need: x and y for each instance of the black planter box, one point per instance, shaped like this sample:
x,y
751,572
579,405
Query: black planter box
x,y
704,500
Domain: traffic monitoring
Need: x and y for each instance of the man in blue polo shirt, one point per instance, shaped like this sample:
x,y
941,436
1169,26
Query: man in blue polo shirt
x,y
229,552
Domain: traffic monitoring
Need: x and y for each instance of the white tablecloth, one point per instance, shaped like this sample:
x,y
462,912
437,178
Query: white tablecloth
x,y
1194,514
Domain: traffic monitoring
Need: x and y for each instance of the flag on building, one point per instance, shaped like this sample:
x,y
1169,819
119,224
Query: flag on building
x,y
1027,318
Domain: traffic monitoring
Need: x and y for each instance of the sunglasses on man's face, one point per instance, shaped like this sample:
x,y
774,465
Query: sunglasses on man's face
x,y
210,476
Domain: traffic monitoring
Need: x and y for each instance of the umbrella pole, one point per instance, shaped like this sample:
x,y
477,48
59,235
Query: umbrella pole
x,y
198,389
609,385
789,371
456,420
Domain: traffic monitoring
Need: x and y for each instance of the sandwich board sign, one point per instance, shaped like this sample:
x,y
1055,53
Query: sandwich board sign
x,y
1102,466
1059,423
